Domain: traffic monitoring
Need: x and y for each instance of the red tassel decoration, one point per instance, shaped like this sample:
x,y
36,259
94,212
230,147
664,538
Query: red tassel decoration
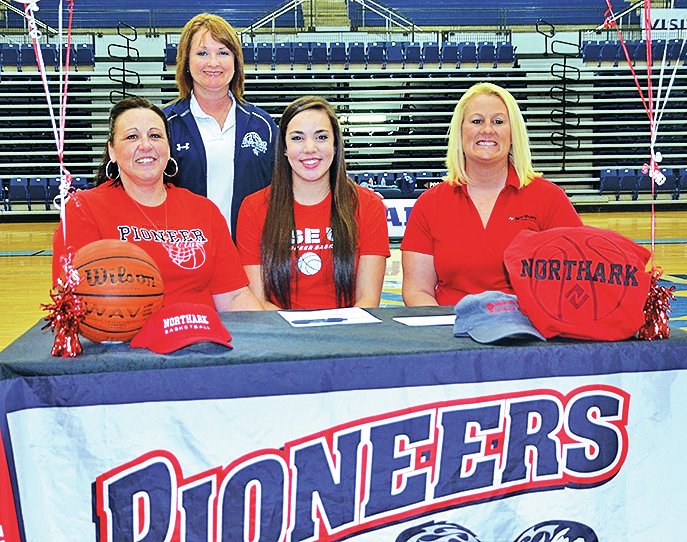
x,y
65,313
656,309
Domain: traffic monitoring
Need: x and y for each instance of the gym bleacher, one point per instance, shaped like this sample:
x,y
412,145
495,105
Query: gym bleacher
x,y
393,86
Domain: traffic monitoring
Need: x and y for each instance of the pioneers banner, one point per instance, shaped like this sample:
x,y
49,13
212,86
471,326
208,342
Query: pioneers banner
x,y
576,458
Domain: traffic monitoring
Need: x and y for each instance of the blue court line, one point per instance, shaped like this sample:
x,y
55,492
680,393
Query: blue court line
x,y
11,253
676,241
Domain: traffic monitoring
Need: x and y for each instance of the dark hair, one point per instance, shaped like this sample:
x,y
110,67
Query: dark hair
x,y
222,32
133,102
276,243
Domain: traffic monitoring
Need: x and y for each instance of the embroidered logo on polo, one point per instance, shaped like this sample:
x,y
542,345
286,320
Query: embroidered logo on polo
x,y
254,141
184,247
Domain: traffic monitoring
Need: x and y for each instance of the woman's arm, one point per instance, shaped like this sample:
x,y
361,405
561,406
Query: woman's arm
x,y
369,280
419,279
254,273
237,300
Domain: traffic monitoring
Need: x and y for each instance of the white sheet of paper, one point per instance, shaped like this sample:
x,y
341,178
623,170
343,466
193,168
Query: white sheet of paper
x,y
328,317
443,320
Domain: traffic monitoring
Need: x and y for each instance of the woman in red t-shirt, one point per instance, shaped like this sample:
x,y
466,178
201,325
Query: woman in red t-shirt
x,y
313,239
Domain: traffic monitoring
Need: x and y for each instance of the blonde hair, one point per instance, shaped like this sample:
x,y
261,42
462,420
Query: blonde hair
x,y
222,32
520,155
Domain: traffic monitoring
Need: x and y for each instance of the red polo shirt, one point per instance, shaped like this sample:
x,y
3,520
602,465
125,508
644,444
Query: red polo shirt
x,y
468,257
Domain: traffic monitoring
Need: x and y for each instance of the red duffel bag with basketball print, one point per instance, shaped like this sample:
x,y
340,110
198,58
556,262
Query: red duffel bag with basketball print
x,y
580,282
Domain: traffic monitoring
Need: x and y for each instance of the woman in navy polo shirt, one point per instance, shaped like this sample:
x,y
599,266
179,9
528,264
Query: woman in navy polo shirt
x,y
224,145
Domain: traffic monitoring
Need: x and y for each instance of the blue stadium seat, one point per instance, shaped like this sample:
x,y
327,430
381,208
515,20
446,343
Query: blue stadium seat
x,y
639,52
591,52
365,179
431,53
85,56
468,53
301,54
72,55
677,50
18,192
681,184
338,54
450,55
659,48
628,183
357,53
609,181
248,50
395,54
386,178
319,54
171,54
50,57
264,56
609,52
422,178
10,58
283,54
486,54
413,55
505,53
376,54
39,192
27,57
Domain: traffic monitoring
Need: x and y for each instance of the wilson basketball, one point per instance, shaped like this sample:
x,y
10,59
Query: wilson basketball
x,y
120,286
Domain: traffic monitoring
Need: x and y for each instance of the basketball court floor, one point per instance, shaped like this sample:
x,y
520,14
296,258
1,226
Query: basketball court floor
x,y
25,264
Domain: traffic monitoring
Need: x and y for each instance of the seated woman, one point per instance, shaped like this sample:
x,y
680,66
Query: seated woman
x,y
184,233
314,239
458,230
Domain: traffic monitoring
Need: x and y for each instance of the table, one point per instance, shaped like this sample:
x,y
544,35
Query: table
x,y
378,432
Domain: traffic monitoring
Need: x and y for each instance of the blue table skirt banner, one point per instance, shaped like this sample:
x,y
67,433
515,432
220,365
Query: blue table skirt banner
x,y
473,444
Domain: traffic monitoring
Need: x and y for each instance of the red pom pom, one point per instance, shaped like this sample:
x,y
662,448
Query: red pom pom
x,y
65,313
656,309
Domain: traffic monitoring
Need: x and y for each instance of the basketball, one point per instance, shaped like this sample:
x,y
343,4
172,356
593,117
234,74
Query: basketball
x,y
120,287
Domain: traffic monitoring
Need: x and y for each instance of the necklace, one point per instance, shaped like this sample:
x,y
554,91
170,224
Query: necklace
x,y
148,218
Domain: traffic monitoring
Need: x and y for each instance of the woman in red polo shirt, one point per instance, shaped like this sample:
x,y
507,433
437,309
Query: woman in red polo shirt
x,y
458,230
313,239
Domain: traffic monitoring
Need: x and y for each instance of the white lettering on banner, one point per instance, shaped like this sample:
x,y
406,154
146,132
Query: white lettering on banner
x,y
397,215
378,470
667,19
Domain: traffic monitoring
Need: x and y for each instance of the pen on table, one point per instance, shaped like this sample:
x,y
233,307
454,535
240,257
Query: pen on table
x,y
319,320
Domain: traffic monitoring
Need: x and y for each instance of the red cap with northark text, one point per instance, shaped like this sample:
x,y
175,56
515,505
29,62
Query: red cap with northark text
x,y
179,325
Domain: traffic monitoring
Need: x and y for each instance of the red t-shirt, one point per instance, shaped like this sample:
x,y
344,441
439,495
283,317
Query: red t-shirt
x,y
312,275
468,258
186,236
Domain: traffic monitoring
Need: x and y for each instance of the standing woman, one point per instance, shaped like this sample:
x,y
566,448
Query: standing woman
x,y
456,235
223,144
313,239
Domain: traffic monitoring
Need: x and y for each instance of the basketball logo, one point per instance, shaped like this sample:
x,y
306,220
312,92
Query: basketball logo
x,y
309,263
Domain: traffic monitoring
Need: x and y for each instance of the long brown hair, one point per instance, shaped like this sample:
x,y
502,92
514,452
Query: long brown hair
x,y
222,32
276,243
